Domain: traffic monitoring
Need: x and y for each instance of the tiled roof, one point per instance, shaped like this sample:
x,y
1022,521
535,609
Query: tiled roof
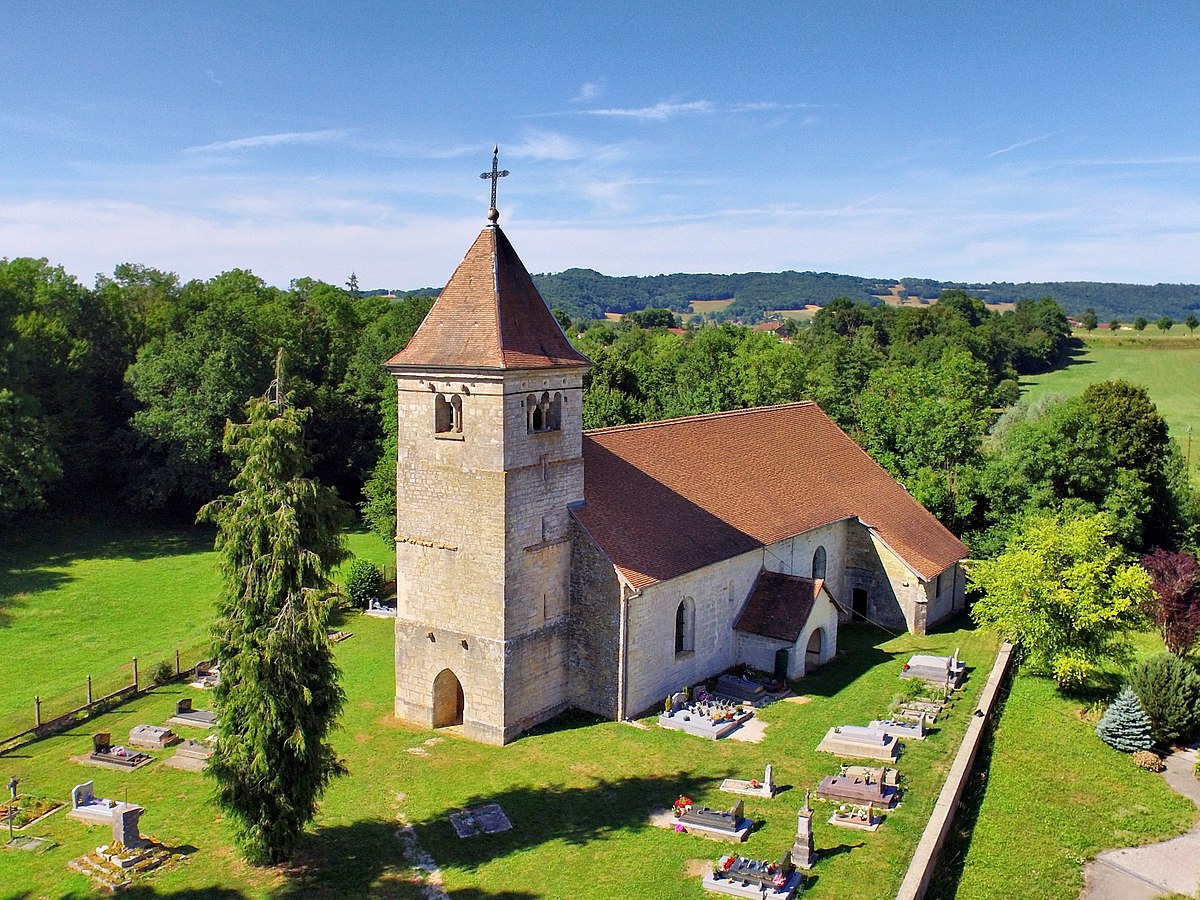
x,y
779,606
664,498
489,316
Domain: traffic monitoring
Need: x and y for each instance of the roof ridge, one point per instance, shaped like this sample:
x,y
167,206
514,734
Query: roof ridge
x,y
699,417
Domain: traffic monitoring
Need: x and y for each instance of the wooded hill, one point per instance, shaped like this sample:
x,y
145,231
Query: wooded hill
x,y
587,294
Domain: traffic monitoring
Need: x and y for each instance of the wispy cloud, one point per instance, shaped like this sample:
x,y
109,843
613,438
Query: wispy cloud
x,y
1020,144
589,90
259,141
553,145
669,109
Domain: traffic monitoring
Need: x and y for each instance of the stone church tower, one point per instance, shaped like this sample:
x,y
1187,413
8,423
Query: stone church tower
x,y
490,458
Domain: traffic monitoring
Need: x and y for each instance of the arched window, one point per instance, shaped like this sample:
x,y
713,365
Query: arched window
x,y
447,414
543,413
818,565
685,626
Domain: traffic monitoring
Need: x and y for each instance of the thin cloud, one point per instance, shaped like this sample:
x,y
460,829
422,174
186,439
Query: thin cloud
x,y
260,141
589,90
1020,144
669,109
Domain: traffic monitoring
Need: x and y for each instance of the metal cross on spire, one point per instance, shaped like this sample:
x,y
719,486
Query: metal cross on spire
x,y
496,174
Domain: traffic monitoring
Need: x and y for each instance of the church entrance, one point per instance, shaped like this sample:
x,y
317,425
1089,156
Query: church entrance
x,y
859,609
781,664
448,700
812,653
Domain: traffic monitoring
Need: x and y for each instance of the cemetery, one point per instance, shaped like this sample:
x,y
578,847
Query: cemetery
x,y
717,824
576,782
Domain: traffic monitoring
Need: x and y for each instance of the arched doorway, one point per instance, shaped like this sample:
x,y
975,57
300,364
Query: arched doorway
x,y
447,699
812,653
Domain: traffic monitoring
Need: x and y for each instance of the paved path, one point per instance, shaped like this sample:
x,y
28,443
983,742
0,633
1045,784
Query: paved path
x,y
1143,873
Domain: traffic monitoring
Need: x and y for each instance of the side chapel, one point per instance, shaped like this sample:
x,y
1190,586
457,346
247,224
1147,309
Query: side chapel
x,y
541,567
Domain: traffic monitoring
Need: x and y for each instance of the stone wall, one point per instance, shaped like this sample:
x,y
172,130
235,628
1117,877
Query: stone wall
x,y
719,593
595,628
759,652
482,550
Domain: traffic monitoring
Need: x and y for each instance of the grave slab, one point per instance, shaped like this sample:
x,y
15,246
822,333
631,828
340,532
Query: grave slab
x,y
856,742
487,819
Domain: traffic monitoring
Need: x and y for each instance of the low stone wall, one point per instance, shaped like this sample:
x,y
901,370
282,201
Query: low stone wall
x,y
920,870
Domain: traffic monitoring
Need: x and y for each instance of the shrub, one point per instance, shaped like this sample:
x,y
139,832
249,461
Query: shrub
x,y
1168,690
1124,725
1149,760
164,672
364,582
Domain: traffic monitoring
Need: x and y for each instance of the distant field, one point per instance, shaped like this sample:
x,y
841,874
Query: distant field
x,y
710,306
807,313
1167,366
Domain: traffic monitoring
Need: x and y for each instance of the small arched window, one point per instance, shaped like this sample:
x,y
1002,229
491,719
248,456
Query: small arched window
x,y
685,626
447,414
818,564
543,413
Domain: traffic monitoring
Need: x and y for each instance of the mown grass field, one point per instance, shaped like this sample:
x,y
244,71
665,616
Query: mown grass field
x,y
1167,366
81,598
579,791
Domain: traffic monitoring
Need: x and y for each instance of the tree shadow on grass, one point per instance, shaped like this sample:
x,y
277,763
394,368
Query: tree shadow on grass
x,y
35,560
146,891
858,653
570,815
364,859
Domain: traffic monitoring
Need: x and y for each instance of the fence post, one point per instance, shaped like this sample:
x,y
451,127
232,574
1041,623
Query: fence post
x,y
177,671
37,712
135,678
89,690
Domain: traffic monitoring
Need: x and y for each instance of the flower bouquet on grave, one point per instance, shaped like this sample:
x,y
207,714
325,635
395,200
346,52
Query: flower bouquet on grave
x,y
682,805
755,783
727,862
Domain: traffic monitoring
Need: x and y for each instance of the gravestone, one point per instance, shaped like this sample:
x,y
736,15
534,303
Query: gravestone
x,y
125,825
857,742
719,825
804,853
753,788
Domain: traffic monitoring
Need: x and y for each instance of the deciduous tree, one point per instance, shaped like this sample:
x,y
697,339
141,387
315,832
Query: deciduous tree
x,y
1064,591
1175,607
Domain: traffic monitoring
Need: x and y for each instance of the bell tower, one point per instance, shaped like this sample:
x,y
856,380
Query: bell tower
x,y
489,460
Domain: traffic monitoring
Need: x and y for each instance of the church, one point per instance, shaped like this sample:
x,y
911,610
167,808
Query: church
x,y
541,567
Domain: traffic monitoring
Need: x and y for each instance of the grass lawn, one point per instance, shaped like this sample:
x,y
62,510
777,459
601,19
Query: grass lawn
x,y
578,791
1168,367
1054,796
81,598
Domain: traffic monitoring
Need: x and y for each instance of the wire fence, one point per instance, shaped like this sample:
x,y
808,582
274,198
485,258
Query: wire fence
x,y
46,714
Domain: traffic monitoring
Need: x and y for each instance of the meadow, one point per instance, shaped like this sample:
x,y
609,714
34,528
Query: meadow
x,y
1168,366
578,790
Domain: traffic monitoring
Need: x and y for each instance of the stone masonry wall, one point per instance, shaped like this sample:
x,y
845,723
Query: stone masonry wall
x,y
595,627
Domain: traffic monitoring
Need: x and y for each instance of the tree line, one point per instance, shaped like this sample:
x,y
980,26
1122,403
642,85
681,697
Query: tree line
x,y
120,392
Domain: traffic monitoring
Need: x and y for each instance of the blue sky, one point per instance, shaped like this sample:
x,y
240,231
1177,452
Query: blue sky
x,y
959,141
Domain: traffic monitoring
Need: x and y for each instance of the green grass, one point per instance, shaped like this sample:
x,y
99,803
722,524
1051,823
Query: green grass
x,y
81,598
579,791
1167,366
1054,796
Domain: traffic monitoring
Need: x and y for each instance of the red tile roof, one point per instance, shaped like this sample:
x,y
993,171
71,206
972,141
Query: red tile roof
x,y
489,316
779,606
665,498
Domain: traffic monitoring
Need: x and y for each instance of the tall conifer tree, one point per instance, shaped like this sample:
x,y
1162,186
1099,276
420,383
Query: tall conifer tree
x,y
279,537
